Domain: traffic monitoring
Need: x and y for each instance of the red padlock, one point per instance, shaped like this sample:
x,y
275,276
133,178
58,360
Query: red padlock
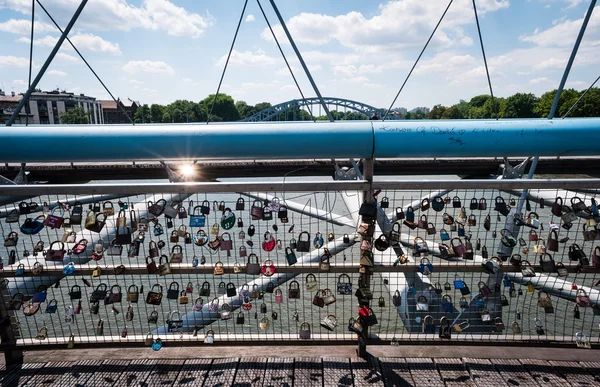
x,y
269,242
364,311
78,309
268,268
574,287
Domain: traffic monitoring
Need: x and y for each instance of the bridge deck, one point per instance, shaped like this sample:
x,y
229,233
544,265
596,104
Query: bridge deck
x,y
172,369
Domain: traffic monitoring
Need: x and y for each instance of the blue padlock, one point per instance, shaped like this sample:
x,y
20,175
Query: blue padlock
x,y
69,269
479,302
157,345
458,283
507,282
425,267
20,269
413,290
318,241
195,261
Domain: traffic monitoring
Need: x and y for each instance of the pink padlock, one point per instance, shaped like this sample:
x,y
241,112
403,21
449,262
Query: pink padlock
x,y
278,296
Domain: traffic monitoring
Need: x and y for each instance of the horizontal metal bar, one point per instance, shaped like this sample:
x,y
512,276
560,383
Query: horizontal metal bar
x,y
306,186
487,184
179,188
299,140
413,267
175,339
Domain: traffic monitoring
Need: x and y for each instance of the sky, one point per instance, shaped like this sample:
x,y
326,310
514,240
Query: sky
x,y
158,51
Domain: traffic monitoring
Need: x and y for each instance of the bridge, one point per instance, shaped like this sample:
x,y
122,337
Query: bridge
x,y
342,258
274,113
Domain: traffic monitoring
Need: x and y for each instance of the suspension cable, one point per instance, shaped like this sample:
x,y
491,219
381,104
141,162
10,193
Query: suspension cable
x,y
485,60
417,61
87,64
285,59
227,61
30,57
580,97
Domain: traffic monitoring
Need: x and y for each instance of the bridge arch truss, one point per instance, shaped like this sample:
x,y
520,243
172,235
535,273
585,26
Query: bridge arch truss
x,y
272,112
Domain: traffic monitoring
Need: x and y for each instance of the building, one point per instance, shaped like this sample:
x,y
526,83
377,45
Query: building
x,y
424,109
8,104
45,107
113,114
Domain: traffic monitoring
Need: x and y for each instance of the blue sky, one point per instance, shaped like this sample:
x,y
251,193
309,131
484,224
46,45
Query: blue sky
x,y
160,50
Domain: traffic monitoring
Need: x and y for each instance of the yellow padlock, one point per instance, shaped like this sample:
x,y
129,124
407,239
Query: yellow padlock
x,y
97,271
530,287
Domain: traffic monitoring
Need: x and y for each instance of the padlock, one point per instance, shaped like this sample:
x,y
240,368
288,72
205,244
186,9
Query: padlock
x,y
499,324
516,328
425,267
539,327
459,327
428,325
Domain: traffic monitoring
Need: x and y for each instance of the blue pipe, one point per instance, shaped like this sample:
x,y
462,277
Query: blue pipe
x,y
301,140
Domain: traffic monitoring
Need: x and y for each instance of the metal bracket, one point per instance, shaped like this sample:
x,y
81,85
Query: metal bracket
x,y
345,173
516,172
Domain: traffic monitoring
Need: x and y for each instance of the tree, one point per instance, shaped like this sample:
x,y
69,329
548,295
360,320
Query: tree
x,y
520,105
74,116
436,112
224,107
544,104
142,114
262,106
452,113
156,113
244,109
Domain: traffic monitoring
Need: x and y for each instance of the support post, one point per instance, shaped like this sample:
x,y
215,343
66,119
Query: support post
x,y
47,63
571,59
8,331
365,278
310,78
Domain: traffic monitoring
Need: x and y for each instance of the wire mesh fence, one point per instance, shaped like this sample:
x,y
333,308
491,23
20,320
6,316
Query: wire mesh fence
x,y
284,264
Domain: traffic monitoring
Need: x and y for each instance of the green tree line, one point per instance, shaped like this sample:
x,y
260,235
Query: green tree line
x,y
519,105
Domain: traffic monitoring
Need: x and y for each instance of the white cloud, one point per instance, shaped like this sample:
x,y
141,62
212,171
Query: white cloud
x,y
250,18
95,43
23,27
107,15
570,3
146,66
151,91
88,42
22,6
413,20
46,41
135,83
551,63
19,82
67,57
347,70
564,32
358,79
58,73
13,61
536,81
248,58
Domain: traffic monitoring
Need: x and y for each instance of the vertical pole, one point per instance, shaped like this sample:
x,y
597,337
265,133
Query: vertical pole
x,y
47,63
558,94
8,331
571,59
310,78
365,278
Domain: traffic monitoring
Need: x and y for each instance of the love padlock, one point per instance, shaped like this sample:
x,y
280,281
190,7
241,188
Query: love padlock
x,y
425,267
268,268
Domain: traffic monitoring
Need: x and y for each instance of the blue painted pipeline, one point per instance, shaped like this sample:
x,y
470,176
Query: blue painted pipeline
x,y
301,140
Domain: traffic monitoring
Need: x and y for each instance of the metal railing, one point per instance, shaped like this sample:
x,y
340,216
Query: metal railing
x,y
314,226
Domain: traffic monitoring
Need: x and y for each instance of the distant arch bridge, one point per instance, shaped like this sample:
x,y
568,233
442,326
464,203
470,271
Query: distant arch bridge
x,y
270,113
